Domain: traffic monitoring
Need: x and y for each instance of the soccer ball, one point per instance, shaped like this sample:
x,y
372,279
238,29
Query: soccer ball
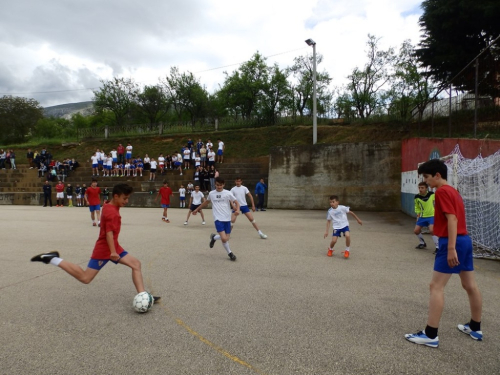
x,y
143,302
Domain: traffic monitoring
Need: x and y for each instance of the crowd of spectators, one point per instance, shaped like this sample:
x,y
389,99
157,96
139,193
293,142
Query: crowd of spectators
x,y
48,167
7,159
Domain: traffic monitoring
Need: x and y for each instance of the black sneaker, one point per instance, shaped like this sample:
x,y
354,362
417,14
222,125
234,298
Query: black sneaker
x,y
421,246
45,257
232,256
212,240
156,298
436,251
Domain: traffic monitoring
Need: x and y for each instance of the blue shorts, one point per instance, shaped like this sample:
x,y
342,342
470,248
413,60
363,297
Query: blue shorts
x,y
223,226
219,152
109,167
100,162
94,165
338,232
464,253
182,198
194,207
425,221
177,163
115,160
165,205
128,155
97,207
244,209
97,264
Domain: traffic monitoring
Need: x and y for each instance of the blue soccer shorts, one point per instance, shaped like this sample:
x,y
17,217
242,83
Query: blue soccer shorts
x,y
97,264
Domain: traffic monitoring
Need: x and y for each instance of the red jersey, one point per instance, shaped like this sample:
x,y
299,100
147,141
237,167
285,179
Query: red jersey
x,y
93,195
111,221
448,201
165,193
120,150
60,188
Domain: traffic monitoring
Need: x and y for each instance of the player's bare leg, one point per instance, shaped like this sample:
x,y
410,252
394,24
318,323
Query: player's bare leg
x,y
332,244
135,265
254,224
347,244
84,276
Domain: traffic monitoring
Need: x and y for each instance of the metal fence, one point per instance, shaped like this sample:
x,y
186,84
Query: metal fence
x,y
470,101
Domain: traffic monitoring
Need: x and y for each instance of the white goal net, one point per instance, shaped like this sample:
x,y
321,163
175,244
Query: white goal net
x,y
478,182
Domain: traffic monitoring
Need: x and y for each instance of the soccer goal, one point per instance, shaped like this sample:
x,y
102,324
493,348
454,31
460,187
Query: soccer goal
x,y
478,182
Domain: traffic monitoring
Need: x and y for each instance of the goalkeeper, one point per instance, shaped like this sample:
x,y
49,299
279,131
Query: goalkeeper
x,y
424,208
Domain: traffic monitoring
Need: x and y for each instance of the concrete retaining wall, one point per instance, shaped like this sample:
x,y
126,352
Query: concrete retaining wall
x,y
365,176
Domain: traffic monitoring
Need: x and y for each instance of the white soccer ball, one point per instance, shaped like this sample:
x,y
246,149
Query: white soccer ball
x,y
143,302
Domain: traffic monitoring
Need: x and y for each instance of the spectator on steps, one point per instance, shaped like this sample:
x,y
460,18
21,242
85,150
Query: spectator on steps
x,y
30,155
47,193
260,191
3,156
12,159
121,152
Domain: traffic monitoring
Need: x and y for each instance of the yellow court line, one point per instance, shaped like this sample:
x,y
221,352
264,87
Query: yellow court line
x,y
200,337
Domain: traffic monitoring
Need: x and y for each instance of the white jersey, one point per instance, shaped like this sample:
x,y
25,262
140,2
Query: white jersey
x,y
109,161
187,154
153,164
161,160
197,197
94,159
114,154
338,216
211,156
221,208
129,149
221,145
182,192
240,192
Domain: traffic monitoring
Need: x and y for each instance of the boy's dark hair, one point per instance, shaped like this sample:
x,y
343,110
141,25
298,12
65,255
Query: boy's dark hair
x,y
165,182
334,198
434,166
220,180
238,178
422,183
94,180
120,189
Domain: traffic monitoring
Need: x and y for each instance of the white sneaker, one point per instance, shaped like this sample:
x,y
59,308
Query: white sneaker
x,y
202,223
263,236
185,223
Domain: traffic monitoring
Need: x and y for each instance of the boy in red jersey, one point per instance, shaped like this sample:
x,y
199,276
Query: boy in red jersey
x,y
106,247
165,192
93,199
454,255
60,194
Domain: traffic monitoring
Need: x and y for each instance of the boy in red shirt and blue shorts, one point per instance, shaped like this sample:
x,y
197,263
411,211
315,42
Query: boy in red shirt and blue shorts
x,y
454,255
165,192
93,199
106,247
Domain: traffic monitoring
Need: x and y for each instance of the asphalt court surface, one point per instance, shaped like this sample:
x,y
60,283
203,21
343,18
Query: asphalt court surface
x,y
283,307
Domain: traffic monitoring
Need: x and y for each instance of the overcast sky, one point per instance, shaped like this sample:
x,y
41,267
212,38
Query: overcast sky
x,y
57,51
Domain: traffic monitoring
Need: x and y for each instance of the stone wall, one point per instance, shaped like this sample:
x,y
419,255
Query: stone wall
x,y
365,176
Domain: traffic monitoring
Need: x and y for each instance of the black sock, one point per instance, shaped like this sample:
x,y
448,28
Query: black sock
x,y
431,332
475,326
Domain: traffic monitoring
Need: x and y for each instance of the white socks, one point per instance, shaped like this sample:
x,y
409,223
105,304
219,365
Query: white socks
x,y
226,246
421,238
436,241
55,261
217,237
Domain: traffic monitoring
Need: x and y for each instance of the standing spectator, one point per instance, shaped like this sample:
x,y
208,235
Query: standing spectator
x,y
84,191
114,156
186,157
78,192
152,170
147,162
199,145
211,177
3,156
220,151
206,180
120,152
95,164
190,143
260,191
177,161
203,156
12,159
165,192
30,155
128,154
196,176
161,163
211,157
182,197
47,194
69,195
60,193
209,144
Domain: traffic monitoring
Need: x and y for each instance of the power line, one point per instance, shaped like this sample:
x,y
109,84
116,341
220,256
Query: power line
x,y
95,88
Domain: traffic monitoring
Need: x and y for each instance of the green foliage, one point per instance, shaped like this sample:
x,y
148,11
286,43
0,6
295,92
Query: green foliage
x,y
454,33
152,103
18,117
118,97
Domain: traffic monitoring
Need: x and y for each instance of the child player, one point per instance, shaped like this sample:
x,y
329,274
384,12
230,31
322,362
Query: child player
x,y
197,198
424,208
222,201
241,192
454,256
93,200
182,197
165,192
106,247
338,215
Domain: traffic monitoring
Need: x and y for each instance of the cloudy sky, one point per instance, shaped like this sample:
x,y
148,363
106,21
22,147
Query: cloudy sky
x,y
57,51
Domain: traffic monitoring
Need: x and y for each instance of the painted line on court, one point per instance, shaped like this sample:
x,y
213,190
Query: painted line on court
x,y
212,345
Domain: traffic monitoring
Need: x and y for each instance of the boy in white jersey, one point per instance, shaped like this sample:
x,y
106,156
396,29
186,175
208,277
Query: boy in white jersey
x,y
221,210
182,197
95,164
338,215
240,192
196,199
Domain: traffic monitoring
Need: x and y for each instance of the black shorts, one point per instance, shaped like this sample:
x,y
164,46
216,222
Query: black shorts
x,y
194,207
153,170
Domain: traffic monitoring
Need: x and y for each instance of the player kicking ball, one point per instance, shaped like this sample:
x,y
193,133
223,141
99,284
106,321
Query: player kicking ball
x,y
337,214
106,247
222,201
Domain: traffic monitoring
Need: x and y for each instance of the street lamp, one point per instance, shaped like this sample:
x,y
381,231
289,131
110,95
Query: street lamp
x,y
312,43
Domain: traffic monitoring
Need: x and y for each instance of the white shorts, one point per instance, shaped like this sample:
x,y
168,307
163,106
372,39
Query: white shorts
x,y
78,196
59,195
69,196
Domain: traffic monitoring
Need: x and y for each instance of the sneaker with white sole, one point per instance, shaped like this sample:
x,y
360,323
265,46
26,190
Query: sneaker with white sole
x,y
263,236
45,257
212,240
465,328
185,223
421,338
202,223
232,256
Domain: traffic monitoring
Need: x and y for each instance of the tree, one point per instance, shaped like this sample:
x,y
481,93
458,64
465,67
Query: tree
x,y
117,96
366,86
152,103
278,96
454,33
18,117
302,70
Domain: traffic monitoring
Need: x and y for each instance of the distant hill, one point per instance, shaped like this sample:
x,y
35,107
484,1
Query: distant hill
x,y
69,109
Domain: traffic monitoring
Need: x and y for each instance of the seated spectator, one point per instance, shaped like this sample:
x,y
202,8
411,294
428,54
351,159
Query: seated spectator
x,y
41,169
